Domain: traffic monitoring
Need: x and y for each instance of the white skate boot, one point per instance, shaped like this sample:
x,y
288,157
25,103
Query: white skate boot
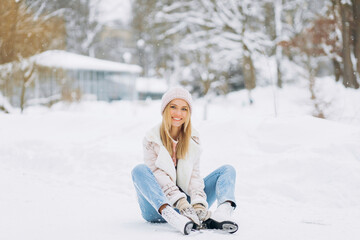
x,y
221,219
183,224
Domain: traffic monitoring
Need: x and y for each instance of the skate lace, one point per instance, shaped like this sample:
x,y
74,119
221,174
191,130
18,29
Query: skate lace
x,y
176,220
189,211
203,215
191,214
170,214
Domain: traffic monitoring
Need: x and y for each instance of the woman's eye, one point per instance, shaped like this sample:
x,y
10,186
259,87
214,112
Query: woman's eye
x,y
184,109
172,107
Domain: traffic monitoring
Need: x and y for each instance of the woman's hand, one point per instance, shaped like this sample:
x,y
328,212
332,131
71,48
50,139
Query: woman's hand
x,y
201,212
187,210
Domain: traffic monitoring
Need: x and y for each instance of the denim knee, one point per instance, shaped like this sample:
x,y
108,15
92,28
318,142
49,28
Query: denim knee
x,y
139,170
228,168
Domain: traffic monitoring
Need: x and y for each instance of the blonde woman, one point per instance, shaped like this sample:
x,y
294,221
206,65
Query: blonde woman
x,y
169,185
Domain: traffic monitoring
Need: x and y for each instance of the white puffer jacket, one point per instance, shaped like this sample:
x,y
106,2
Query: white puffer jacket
x,y
185,177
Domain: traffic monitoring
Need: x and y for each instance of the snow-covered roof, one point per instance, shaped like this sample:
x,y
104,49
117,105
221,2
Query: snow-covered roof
x,y
68,60
151,85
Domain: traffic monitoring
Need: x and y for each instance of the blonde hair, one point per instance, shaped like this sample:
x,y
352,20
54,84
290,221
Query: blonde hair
x,y
182,146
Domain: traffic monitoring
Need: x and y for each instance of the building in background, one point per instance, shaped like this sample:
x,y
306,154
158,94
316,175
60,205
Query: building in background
x,y
101,79
60,75
64,76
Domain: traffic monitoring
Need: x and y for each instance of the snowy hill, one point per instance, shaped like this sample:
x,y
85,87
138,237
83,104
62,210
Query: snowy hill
x,y
65,172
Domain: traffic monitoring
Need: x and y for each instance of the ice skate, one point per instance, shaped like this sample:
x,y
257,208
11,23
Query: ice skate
x,y
183,224
221,219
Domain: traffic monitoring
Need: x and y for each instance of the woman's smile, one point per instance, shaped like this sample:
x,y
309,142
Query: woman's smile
x,y
178,112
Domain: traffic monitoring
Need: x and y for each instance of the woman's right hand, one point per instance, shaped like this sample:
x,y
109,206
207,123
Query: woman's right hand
x,y
202,212
187,210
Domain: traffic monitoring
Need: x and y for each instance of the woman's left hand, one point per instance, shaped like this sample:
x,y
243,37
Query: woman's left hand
x,y
202,212
187,210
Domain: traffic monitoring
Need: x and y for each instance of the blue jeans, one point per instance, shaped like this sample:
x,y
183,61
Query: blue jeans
x,y
219,185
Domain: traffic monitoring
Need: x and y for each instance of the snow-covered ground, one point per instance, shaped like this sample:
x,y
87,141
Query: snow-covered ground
x,y
65,171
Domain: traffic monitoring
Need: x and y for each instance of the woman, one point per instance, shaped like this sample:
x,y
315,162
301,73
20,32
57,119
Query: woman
x,y
170,177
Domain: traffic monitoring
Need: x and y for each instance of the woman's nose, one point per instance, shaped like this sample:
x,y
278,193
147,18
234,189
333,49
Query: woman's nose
x,y
177,112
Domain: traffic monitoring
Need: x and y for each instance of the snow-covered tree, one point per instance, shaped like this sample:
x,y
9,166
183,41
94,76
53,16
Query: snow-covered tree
x,y
81,17
17,77
346,13
25,32
229,31
278,5
333,25
142,24
356,32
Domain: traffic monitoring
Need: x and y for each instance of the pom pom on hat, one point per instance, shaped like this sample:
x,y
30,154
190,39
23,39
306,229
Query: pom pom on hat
x,y
176,93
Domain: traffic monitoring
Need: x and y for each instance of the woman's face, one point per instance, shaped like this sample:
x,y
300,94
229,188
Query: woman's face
x,y
179,109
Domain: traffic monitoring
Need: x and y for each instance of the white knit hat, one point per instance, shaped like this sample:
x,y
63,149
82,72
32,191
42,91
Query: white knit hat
x,y
174,93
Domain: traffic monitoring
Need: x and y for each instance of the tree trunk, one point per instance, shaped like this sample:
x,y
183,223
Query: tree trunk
x,y
349,77
22,96
337,69
248,70
278,28
356,14
247,64
318,110
27,78
2,108
206,85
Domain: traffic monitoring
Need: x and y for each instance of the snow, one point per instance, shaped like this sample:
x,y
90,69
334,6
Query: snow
x,y
65,171
114,10
68,60
4,104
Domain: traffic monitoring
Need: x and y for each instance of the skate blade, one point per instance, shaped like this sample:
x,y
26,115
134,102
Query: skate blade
x,y
188,227
226,226
229,227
